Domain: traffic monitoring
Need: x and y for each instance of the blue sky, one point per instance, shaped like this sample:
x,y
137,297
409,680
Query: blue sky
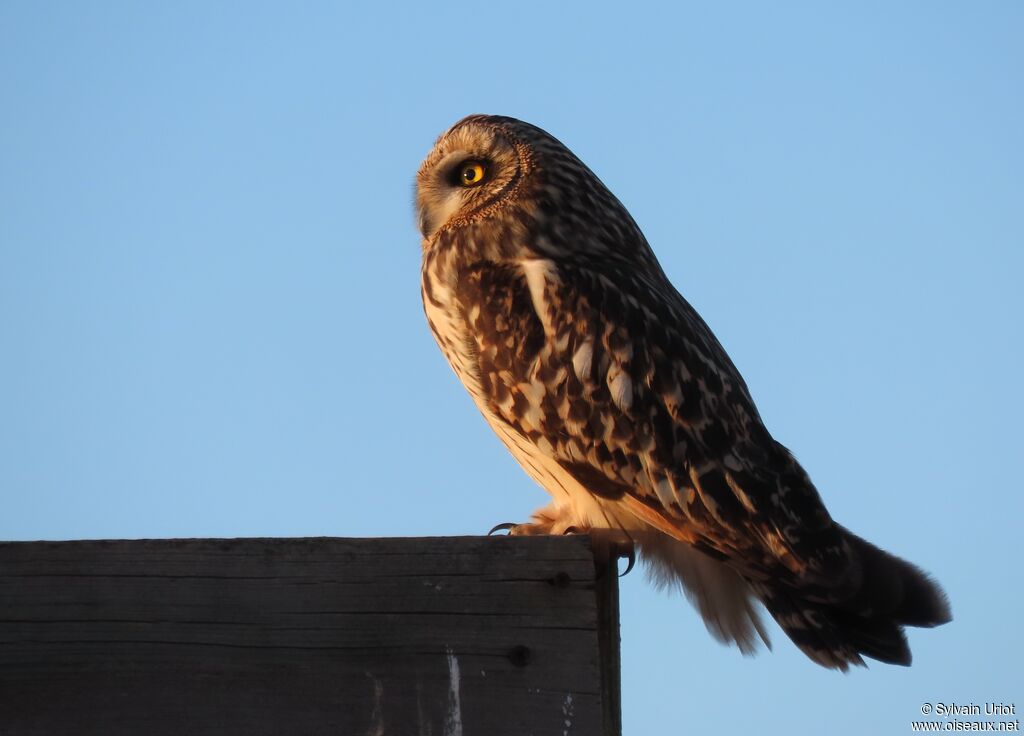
x,y
209,286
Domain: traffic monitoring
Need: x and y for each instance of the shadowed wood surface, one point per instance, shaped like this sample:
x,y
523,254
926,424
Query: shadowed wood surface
x,y
440,636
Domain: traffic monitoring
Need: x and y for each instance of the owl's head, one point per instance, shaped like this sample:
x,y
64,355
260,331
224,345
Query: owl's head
x,y
513,190
477,166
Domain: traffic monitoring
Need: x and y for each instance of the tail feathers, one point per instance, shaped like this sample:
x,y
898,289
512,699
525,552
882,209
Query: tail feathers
x,y
834,638
895,588
863,615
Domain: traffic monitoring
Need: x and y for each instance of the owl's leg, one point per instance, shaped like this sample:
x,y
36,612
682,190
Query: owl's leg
x,y
608,544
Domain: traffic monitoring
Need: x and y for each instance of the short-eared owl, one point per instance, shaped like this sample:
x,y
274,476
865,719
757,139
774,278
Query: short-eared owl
x,y
614,395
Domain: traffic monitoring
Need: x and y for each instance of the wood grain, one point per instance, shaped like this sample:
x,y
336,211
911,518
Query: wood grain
x,y
430,636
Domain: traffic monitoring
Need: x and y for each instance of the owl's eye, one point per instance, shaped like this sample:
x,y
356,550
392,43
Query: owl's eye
x,y
471,173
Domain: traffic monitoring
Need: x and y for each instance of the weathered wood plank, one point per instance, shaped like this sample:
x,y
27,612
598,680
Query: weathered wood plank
x,y
452,635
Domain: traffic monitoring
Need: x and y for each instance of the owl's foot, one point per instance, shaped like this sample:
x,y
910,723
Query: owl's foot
x,y
608,544
551,519
529,530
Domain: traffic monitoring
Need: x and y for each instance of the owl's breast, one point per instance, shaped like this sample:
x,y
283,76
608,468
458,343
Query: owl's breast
x,y
484,321
448,320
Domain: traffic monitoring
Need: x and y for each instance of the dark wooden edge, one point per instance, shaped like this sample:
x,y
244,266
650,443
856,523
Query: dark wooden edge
x,y
607,590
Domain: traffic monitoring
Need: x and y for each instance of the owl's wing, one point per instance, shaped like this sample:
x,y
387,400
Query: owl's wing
x,y
624,385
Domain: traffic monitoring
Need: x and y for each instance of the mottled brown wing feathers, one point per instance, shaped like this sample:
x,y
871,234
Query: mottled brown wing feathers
x,y
631,393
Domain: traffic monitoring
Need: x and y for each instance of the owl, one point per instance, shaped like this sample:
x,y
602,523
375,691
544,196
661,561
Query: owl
x,y
614,395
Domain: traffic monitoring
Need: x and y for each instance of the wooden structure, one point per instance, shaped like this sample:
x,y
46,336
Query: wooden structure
x,y
445,636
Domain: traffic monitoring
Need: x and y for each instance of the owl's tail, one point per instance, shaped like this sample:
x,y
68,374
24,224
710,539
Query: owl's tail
x,y
883,595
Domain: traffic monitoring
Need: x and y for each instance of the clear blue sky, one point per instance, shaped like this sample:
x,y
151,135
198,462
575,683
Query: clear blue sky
x,y
209,286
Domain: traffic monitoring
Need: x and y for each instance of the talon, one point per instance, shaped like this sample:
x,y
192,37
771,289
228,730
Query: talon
x,y
631,557
609,546
502,527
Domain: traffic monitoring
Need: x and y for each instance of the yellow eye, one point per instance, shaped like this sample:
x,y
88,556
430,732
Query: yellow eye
x,y
471,174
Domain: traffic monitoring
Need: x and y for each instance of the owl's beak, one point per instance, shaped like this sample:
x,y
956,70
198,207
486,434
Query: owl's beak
x,y
424,222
